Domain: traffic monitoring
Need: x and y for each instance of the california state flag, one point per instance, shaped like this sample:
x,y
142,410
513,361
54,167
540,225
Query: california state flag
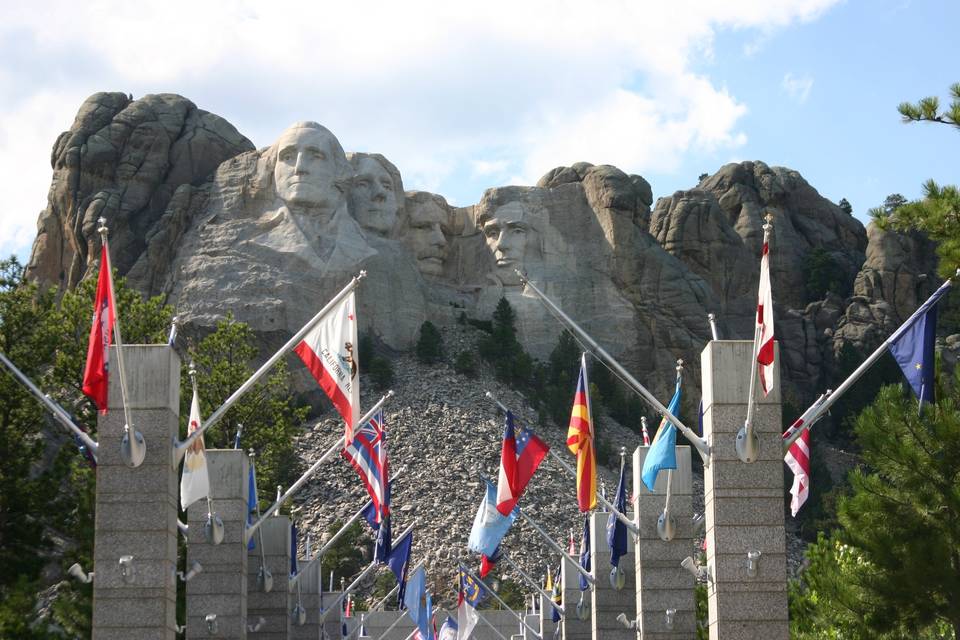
x,y
764,348
330,353
195,481
95,374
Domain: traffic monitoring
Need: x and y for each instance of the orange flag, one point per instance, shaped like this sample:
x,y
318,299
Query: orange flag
x,y
580,442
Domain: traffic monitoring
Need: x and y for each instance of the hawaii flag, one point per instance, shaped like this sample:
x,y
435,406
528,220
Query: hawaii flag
x,y
764,346
330,352
95,380
195,481
580,442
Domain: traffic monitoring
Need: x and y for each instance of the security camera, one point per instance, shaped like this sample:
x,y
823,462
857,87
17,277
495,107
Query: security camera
x,y
264,579
126,568
253,628
77,572
628,624
213,529
195,568
212,626
700,573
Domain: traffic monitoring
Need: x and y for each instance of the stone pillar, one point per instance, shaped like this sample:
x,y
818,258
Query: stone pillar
x,y
532,619
136,509
331,622
274,607
608,602
221,588
547,625
308,588
379,621
662,583
743,502
573,627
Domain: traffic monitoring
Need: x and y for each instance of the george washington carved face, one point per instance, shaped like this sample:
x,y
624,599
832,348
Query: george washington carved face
x,y
310,168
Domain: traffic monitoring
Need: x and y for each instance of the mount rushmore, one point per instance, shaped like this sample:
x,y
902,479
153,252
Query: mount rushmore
x,y
200,216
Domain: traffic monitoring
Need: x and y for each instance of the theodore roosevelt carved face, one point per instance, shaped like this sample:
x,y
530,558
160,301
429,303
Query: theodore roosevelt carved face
x,y
426,230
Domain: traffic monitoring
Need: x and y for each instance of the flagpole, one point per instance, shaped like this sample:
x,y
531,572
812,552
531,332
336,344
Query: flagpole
x,y
192,372
531,582
523,622
58,412
312,470
550,542
180,447
747,444
665,524
326,547
363,574
396,588
135,438
246,538
712,319
563,463
790,435
699,443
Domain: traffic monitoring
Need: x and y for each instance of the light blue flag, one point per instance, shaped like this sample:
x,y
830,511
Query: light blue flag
x,y
413,599
489,525
663,449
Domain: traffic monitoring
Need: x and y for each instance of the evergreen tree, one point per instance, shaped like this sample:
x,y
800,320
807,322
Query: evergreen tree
x,y
430,344
502,349
845,206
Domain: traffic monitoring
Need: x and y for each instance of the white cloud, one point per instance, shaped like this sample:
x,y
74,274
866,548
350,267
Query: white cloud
x,y
797,87
507,88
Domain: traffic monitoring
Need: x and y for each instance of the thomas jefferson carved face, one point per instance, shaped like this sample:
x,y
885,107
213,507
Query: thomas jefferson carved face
x,y
307,170
427,227
374,198
513,239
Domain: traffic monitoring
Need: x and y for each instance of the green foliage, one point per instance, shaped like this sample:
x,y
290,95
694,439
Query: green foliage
x,y
845,206
928,109
703,615
466,364
345,556
893,569
269,415
430,344
381,372
893,202
560,379
702,177
822,275
843,413
502,349
509,591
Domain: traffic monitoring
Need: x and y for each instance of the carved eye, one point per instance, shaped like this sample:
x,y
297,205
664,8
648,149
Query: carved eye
x,y
319,155
286,156
362,184
386,184
492,232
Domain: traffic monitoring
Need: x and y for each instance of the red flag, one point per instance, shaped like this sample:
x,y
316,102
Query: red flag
x,y
764,347
95,380
580,443
519,459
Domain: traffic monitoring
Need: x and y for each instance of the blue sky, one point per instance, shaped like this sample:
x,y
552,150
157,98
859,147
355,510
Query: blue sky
x,y
462,100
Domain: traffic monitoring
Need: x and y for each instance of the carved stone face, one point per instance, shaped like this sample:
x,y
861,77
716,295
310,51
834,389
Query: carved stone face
x,y
306,169
512,239
374,199
425,235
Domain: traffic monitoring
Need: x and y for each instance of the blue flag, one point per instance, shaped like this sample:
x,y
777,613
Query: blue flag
x,y
489,525
557,595
383,542
251,503
912,346
663,450
293,550
399,562
585,552
413,599
616,530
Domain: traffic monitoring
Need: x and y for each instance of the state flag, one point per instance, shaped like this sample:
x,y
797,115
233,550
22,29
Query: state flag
x,y
519,458
764,347
195,479
96,372
580,442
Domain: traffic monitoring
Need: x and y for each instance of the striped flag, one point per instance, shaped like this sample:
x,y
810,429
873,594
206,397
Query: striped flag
x,y
367,454
798,458
580,442
520,456
764,346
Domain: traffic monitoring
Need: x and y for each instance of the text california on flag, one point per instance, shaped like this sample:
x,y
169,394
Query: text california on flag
x,y
330,352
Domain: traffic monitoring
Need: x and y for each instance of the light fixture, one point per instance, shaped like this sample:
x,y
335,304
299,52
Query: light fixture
x,y
747,445
700,573
264,579
670,615
583,607
627,623
195,568
126,568
77,572
213,529
666,527
753,559
299,615
618,578
133,449
212,626
253,628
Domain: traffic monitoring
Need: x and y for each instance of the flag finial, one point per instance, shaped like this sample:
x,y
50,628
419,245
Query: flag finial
x,y
768,218
192,370
102,228
679,365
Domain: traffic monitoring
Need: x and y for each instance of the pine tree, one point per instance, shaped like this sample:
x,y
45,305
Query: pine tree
x,y
430,344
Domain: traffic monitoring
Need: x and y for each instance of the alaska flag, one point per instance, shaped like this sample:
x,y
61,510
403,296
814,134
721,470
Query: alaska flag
x,y
383,542
585,552
251,503
912,346
489,526
616,530
519,458
399,562
663,452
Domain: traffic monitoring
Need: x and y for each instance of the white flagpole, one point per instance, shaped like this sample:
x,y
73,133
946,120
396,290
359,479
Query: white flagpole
x,y
570,471
791,434
530,581
699,443
181,447
470,573
749,450
665,527
192,372
338,445
58,412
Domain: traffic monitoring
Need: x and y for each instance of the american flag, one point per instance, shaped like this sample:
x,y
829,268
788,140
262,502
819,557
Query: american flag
x,y
367,453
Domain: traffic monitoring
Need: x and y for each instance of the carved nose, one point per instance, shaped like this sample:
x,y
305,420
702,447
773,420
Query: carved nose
x,y
300,168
